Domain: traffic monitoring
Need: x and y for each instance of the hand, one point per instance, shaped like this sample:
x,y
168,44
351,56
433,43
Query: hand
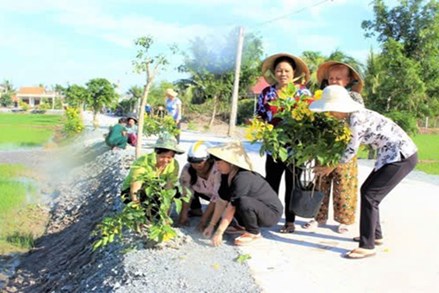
x,y
322,170
208,231
201,226
217,238
183,221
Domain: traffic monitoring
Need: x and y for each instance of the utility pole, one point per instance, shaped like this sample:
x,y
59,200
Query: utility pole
x,y
234,110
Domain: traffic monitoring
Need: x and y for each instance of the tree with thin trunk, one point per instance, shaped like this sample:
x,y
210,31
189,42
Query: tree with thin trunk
x,y
150,66
101,94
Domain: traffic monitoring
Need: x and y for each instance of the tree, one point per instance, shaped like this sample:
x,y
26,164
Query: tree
x,y
210,63
414,25
101,94
76,95
150,66
6,96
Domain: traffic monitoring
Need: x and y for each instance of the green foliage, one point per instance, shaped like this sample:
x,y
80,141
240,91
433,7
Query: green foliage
x,y
246,110
405,120
21,240
24,106
301,135
73,123
101,94
153,125
210,64
5,100
407,71
242,258
76,96
152,213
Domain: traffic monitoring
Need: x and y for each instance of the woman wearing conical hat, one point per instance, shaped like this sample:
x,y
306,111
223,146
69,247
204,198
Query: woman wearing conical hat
x,y
279,71
244,195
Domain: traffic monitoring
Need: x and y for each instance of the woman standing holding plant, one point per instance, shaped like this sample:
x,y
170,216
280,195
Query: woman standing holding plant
x,y
280,70
397,157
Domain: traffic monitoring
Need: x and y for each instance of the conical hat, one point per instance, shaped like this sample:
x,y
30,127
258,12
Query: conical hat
x,y
300,72
323,73
233,153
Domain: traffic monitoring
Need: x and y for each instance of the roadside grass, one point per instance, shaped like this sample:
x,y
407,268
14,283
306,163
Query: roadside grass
x,y
428,152
26,130
20,222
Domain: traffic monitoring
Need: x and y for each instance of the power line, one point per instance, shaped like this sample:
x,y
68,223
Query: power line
x,y
291,13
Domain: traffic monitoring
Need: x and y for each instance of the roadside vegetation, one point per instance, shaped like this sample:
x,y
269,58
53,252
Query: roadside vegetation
x,y
21,219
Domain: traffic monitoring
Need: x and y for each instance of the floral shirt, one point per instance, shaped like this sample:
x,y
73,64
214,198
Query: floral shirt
x,y
269,94
371,128
208,187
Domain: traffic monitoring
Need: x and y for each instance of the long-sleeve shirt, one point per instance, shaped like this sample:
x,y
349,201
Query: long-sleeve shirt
x,y
371,128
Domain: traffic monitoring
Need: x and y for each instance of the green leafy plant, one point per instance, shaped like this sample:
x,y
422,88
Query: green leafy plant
x,y
242,258
152,213
301,135
153,125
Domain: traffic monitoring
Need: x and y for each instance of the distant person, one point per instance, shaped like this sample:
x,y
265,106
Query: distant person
x,y
161,111
279,71
148,109
397,157
344,179
173,106
117,137
132,130
244,195
201,176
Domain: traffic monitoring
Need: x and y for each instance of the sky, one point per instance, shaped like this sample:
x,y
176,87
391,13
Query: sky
x,y
72,41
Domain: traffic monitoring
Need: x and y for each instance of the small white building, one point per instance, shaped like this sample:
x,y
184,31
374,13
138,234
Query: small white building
x,y
33,96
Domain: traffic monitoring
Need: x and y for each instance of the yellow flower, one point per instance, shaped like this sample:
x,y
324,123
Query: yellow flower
x,y
318,95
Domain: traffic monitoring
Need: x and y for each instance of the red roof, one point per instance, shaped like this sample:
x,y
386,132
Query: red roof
x,y
259,86
31,91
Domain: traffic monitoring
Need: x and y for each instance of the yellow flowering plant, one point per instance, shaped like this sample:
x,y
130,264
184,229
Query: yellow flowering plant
x,y
301,135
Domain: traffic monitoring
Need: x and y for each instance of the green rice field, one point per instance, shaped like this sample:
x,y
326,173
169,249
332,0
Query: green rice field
x,y
26,130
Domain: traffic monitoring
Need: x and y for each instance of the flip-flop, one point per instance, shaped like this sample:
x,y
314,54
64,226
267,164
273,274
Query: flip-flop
x,y
377,241
342,228
360,253
288,228
247,238
311,225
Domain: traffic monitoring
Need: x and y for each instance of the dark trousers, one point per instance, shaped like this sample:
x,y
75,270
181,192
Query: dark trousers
x,y
377,185
195,203
273,175
253,214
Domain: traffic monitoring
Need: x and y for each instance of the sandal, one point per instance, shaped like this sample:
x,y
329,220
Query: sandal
x,y
377,241
343,228
247,238
311,225
359,253
288,228
236,229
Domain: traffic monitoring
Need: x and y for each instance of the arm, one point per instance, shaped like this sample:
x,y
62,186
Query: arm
x,y
206,215
220,206
226,220
178,118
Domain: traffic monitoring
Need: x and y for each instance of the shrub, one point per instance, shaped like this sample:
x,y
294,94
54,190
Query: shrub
x,y
245,110
73,123
405,120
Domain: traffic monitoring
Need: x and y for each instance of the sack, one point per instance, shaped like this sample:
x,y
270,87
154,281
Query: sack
x,y
305,201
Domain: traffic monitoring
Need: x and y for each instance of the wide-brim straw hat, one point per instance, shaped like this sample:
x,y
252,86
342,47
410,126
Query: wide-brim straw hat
x,y
301,72
233,153
168,142
323,73
171,92
335,98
